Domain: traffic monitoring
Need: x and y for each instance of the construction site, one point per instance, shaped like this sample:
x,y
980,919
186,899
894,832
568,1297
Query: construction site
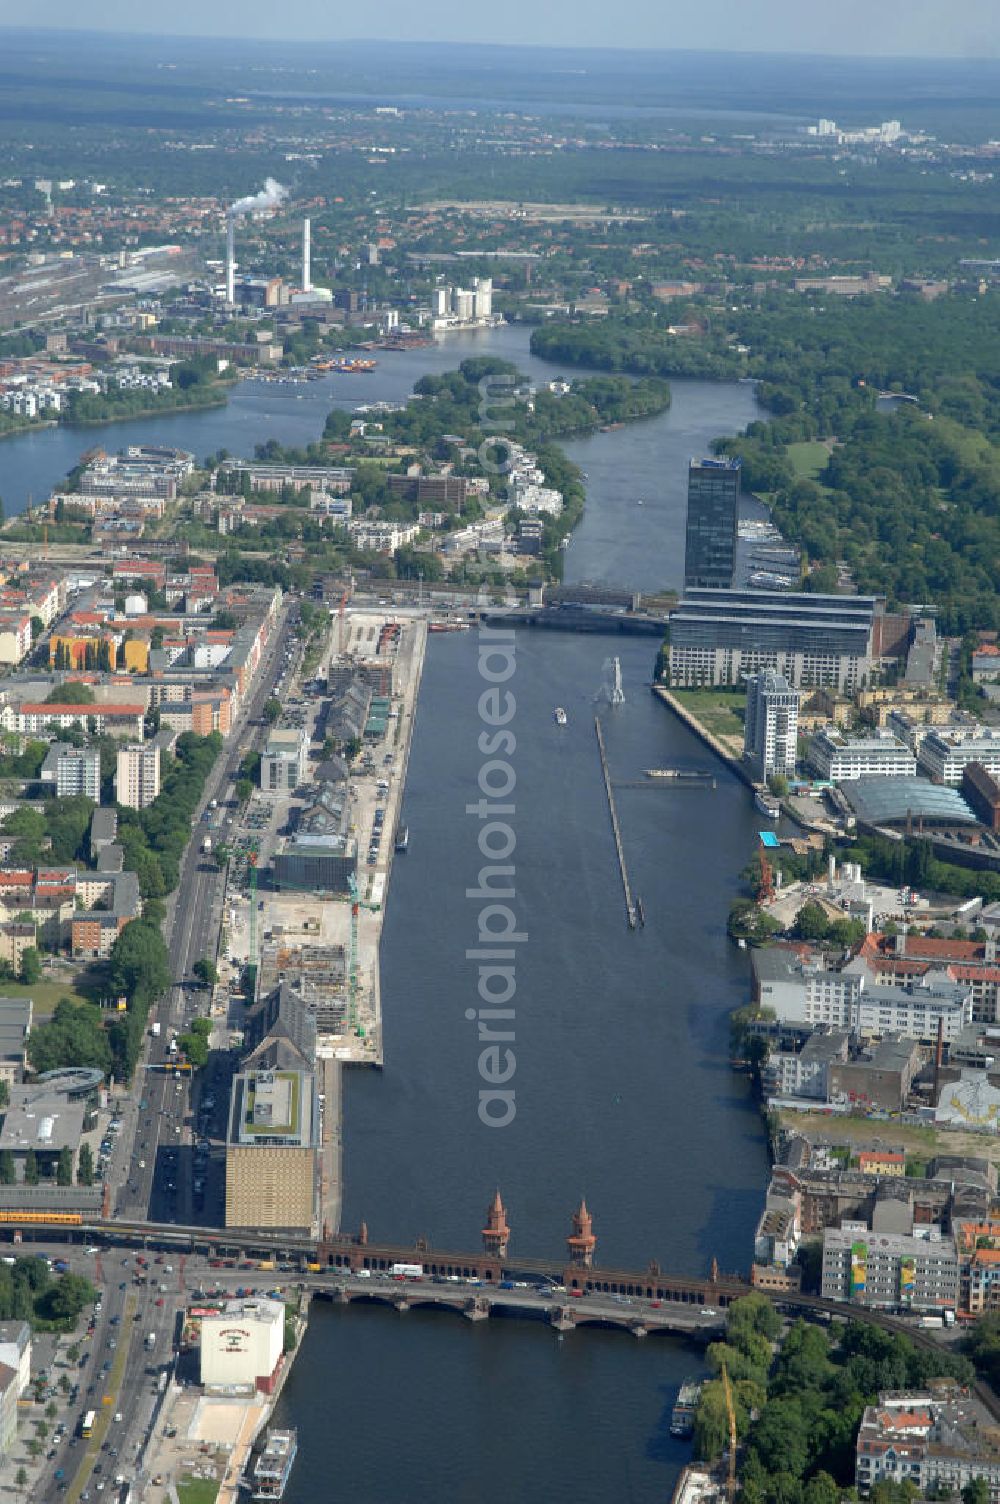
x,y
309,872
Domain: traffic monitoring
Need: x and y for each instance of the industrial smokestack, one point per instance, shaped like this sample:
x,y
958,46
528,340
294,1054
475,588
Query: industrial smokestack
x,y
306,256
230,259
269,197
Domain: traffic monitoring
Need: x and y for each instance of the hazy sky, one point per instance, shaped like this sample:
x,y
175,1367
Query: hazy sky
x,y
960,28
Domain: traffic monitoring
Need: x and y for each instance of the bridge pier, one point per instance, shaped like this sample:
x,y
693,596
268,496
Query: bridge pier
x,y
401,1303
340,1295
562,1318
638,1330
476,1309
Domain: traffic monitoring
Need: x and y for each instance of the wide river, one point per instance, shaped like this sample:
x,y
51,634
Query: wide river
x,y
622,1087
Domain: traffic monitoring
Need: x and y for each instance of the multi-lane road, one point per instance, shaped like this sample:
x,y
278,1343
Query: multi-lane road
x,y
160,1175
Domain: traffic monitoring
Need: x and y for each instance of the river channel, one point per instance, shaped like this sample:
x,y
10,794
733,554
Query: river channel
x,y
622,1089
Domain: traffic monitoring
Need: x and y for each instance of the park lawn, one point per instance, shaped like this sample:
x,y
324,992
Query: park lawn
x,y
44,995
197,1491
808,458
720,711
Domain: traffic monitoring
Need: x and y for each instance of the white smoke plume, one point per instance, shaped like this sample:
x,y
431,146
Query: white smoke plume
x,y
269,197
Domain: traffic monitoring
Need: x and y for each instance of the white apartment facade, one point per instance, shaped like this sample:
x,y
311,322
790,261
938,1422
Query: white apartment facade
x,y
842,758
137,781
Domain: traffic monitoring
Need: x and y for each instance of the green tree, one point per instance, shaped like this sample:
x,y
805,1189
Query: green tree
x,y
72,692
85,1165
31,966
74,1035
8,1173
31,1168
139,962
64,1169
206,971
21,1477
811,922
976,1491
272,710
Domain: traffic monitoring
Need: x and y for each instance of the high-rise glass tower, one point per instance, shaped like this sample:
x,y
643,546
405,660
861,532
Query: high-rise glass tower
x,y
713,513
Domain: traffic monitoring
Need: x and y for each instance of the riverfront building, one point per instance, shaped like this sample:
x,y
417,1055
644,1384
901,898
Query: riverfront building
x,y
772,724
271,1150
242,1346
802,992
836,755
889,1270
713,515
720,636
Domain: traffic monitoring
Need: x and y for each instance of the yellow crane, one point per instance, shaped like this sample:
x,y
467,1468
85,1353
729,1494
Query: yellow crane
x,y
731,1412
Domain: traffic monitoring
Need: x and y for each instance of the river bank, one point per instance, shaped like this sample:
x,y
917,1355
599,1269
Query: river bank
x,y
623,1087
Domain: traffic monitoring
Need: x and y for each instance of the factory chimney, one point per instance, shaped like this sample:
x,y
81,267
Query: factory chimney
x,y
230,259
306,256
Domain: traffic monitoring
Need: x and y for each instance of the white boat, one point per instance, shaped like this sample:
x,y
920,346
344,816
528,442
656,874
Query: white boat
x,y
560,715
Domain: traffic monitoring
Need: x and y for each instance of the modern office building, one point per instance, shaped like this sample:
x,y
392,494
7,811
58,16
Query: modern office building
x,y
284,759
837,755
771,727
271,1150
721,636
137,781
889,1269
73,771
713,516
945,754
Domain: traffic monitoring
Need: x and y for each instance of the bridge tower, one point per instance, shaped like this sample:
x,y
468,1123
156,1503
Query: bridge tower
x,y
581,1241
496,1233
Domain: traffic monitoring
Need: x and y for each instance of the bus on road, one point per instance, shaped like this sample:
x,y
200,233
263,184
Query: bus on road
x,y
87,1424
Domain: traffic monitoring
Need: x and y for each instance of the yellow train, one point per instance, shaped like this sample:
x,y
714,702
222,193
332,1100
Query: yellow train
x,y
44,1219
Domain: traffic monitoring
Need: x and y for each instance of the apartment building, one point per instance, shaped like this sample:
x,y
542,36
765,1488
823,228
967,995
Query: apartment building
x,y
937,1441
771,726
839,756
945,753
137,780
73,771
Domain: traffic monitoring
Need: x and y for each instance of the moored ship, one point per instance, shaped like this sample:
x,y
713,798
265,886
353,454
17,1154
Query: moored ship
x,y
682,1417
274,1465
561,717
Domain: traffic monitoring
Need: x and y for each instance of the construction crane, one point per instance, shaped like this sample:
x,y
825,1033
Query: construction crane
x,y
352,959
731,1412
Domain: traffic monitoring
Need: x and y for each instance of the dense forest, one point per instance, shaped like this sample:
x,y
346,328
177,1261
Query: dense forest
x,y
909,499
